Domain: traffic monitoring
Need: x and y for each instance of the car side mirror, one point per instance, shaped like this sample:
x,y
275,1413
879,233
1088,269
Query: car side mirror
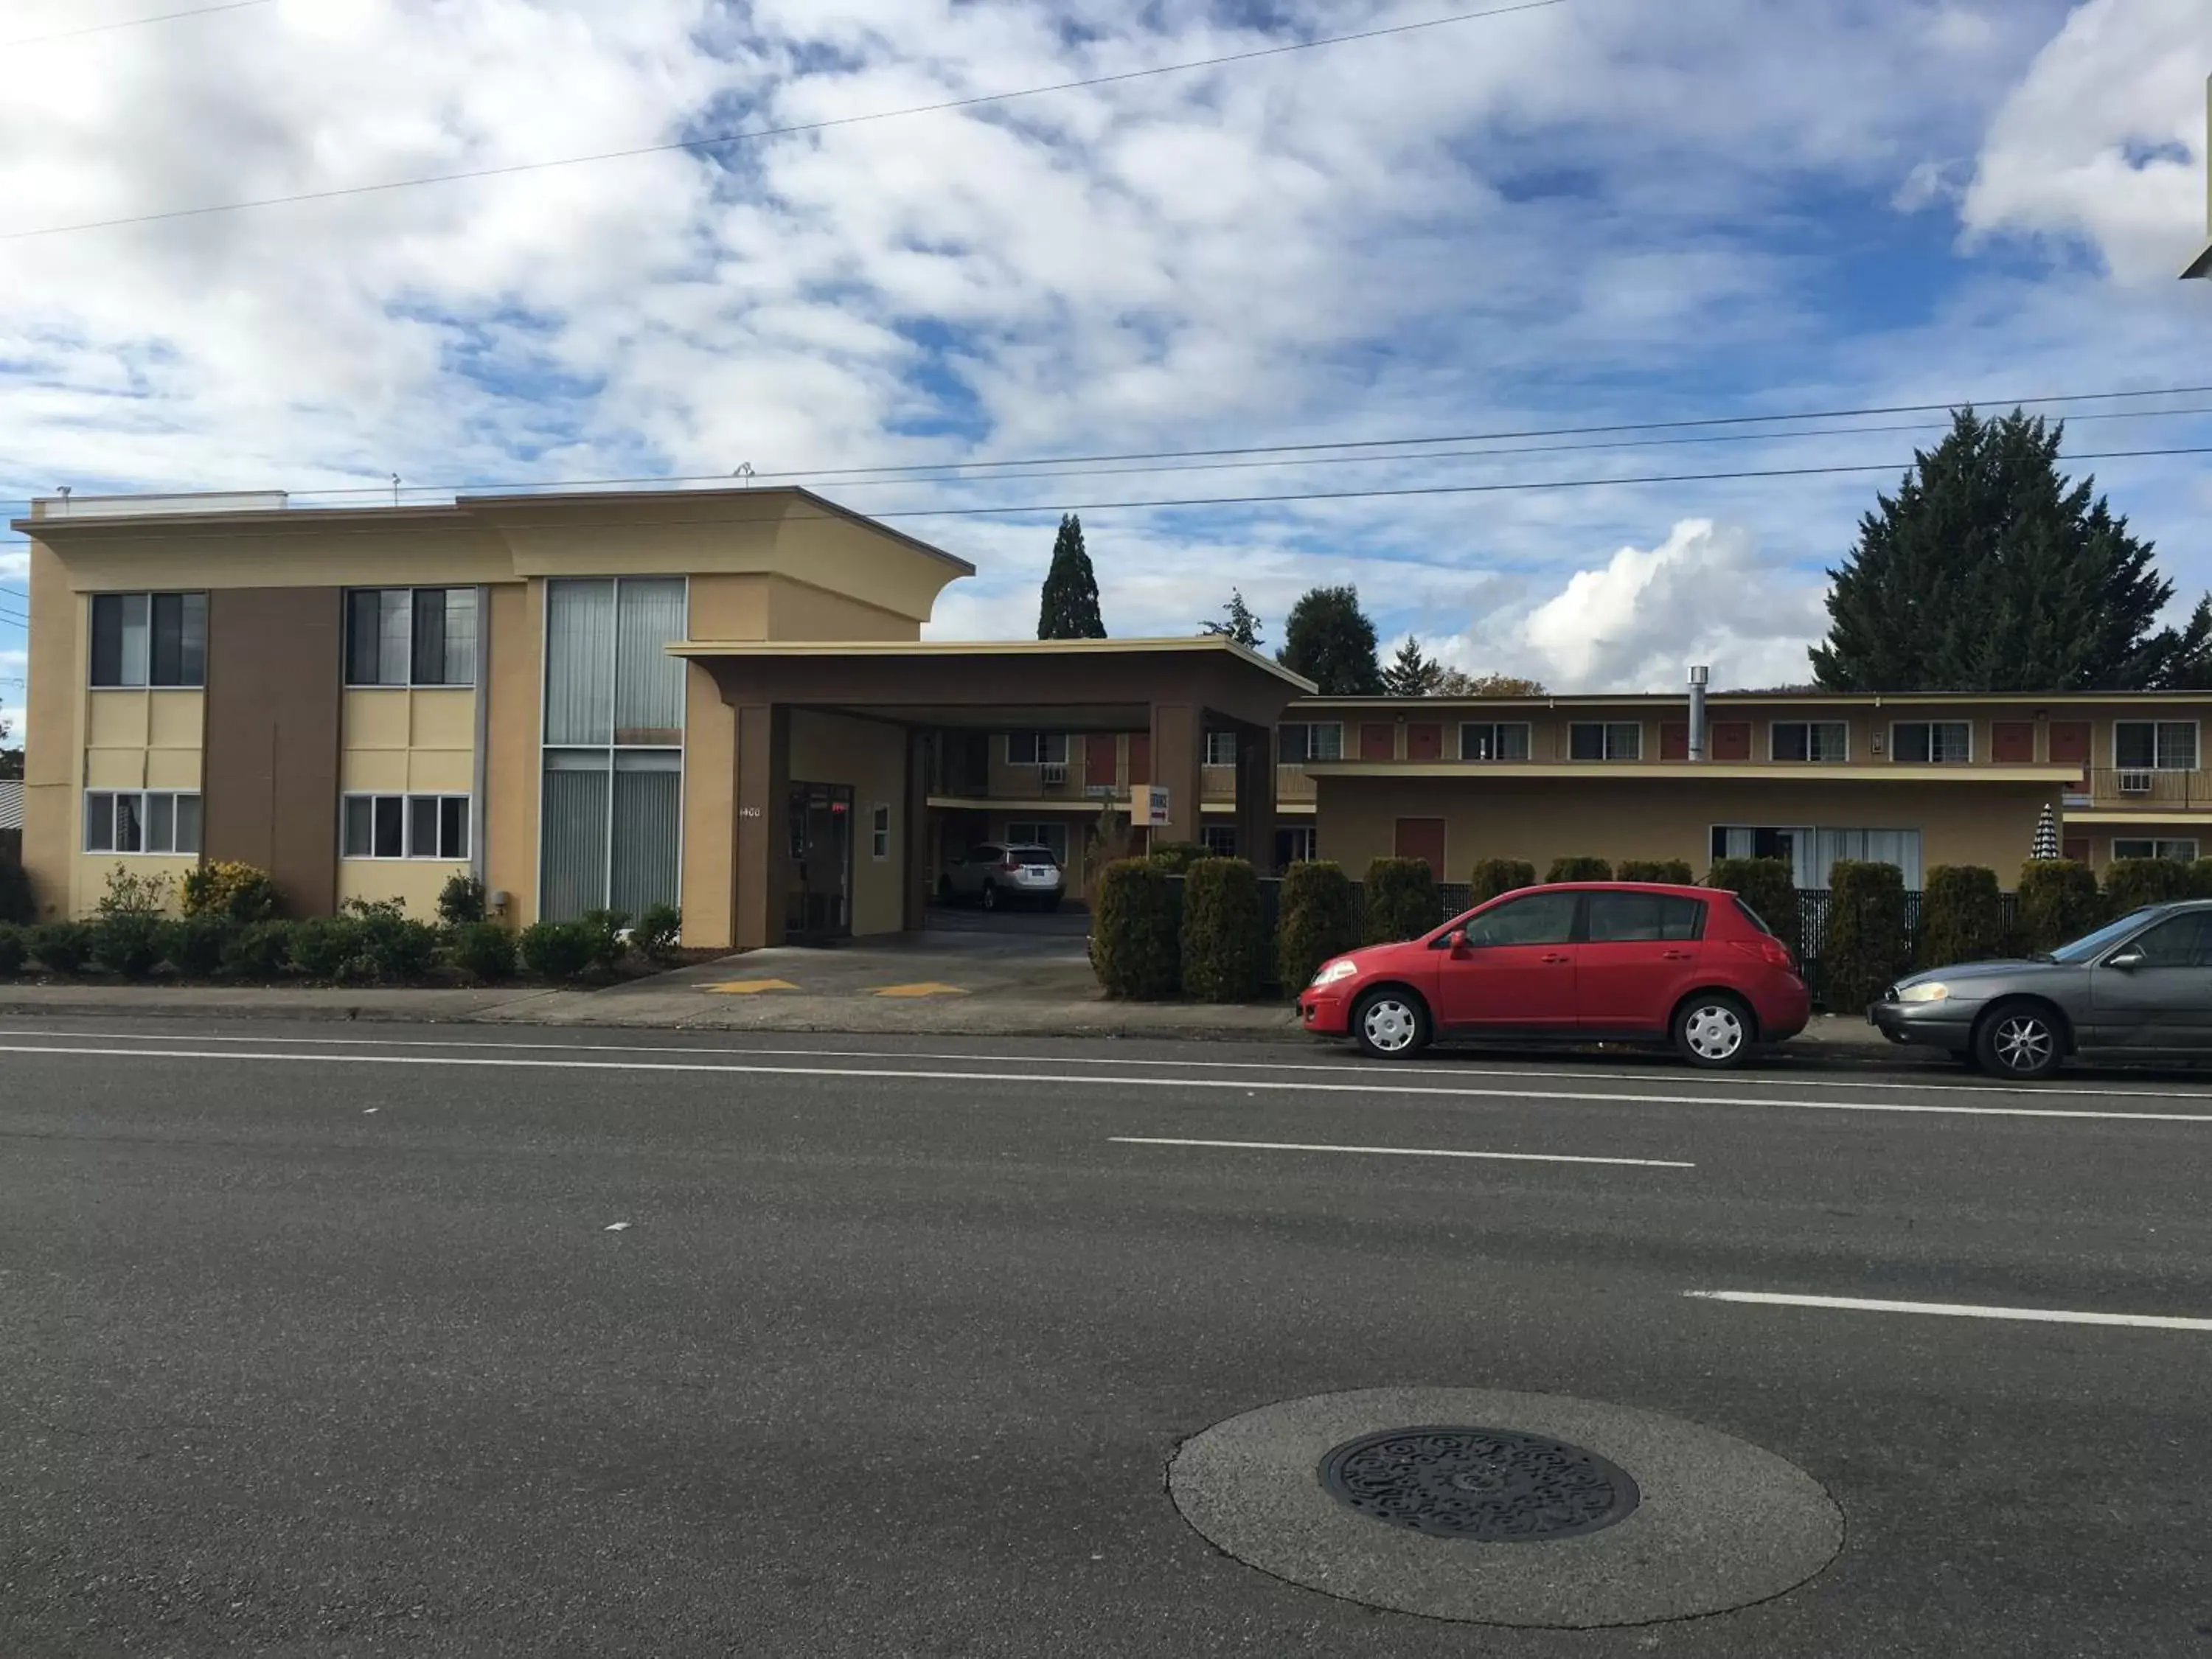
x,y
1456,939
2126,961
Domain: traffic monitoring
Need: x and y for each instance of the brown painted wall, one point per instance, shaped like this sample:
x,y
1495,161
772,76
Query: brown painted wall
x,y
271,766
510,675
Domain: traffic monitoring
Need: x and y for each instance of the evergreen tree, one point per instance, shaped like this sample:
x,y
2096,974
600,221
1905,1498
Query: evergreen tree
x,y
1458,682
1069,608
1990,570
1412,674
1329,640
1243,626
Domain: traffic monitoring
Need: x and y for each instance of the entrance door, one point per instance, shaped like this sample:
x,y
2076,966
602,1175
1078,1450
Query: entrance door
x,y
1514,970
1423,839
820,904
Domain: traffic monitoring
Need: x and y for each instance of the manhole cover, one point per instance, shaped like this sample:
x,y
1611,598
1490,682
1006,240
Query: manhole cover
x,y
1491,1485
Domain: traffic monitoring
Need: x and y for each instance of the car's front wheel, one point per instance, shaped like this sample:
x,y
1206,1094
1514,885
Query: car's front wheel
x,y
2019,1040
1713,1030
1390,1025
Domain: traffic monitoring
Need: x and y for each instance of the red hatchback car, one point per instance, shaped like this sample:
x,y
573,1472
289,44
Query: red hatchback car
x,y
1579,961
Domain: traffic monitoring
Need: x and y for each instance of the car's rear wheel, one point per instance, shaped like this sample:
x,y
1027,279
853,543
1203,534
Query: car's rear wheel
x,y
1713,1029
990,896
2019,1040
1390,1025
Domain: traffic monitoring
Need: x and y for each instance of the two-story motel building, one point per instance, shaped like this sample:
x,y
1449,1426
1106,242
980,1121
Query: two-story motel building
x,y
723,700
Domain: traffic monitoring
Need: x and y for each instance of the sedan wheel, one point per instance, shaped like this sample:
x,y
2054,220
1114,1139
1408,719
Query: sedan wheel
x,y
1391,1026
1713,1031
2019,1042
990,900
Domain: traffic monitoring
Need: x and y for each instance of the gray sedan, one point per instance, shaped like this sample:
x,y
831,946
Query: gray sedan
x,y
2143,983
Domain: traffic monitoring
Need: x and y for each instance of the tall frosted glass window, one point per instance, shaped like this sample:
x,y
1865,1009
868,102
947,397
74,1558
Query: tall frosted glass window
x,y
647,828
573,872
580,662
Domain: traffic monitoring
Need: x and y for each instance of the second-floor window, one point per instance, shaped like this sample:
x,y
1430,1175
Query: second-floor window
x,y
411,636
149,639
1221,749
1296,744
1604,740
1493,740
1936,743
1037,748
1810,740
2154,745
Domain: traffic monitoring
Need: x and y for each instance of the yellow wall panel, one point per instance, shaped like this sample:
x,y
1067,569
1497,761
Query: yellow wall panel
x,y
416,882
176,720
376,719
444,720
172,768
115,769
440,771
383,771
116,719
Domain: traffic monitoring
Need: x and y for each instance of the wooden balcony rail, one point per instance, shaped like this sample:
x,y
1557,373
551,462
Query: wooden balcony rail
x,y
2147,787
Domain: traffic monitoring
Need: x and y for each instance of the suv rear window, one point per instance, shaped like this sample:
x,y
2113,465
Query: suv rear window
x,y
1033,855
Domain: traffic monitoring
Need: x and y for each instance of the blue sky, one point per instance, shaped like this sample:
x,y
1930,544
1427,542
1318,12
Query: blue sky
x,y
1600,211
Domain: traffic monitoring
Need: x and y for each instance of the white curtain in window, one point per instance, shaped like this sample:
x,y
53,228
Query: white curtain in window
x,y
460,636
394,630
575,833
648,835
648,682
1899,847
580,662
135,637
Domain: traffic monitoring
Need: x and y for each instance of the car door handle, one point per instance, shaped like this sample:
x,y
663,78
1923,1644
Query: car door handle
x,y
1675,956
1555,959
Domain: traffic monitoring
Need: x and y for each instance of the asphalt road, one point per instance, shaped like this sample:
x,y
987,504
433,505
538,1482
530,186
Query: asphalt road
x,y
343,1342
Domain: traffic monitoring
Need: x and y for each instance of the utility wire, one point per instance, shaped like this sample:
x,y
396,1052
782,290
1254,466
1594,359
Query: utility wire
x,y
716,142
133,23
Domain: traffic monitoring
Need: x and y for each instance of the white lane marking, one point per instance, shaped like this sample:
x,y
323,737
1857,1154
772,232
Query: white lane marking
x,y
1250,1085
1398,1151
1747,1080
615,1227
1955,1309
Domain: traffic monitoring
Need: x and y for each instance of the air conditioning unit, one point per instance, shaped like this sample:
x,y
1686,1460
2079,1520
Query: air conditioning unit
x,y
1053,777
2135,783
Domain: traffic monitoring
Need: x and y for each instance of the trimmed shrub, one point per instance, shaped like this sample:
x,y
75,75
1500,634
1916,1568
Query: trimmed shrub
x,y
461,900
2058,901
1224,945
483,950
60,947
1318,919
15,894
394,948
1496,876
658,929
2130,884
1672,872
2200,879
1961,916
13,952
1769,887
260,949
1175,857
195,946
236,891
608,944
556,950
1866,946
326,947
129,942
1401,900
1136,947
1580,869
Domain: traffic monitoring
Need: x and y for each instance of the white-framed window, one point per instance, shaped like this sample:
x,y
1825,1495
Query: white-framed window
x,y
610,825
1219,840
1932,743
2160,849
1604,740
1315,740
1221,749
1295,844
159,821
1037,748
1493,740
1812,853
149,639
404,827
1820,741
2154,745
411,636
879,832
1047,833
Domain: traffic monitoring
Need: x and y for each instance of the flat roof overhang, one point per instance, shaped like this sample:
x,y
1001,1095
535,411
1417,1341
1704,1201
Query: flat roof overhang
x,y
2057,777
1058,686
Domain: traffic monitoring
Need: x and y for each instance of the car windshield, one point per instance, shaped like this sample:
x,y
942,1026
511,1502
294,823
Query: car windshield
x,y
2089,945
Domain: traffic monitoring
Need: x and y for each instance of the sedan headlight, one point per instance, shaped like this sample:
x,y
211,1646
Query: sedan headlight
x,y
1933,991
1342,968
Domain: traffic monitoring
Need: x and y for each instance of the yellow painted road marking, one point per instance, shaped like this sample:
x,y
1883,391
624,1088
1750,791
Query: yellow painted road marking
x,y
927,988
749,988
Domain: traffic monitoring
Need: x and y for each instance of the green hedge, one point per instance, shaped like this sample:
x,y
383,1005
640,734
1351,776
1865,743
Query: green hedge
x,y
1319,919
1769,887
1962,915
483,948
659,928
461,900
2058,901
325,947
1225,943
129,942
1866,946
557,950
260,949
238,891
13,952
15,905
1175,857
1672,873
609,946
1496,876
195,946
1136,948
1401,900
2130,884
61,947
1580,869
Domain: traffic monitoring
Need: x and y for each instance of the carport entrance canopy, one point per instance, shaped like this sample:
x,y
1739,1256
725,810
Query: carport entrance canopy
x,y
1176,690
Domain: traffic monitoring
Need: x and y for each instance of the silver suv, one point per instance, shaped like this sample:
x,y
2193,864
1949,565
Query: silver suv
x,y
997,872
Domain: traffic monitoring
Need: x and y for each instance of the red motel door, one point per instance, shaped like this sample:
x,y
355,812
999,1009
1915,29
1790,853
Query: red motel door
x,y
2069,743
1140,758
1378,742
1424,742
1730,740
1423,838
2012,742
1674,740
1101,758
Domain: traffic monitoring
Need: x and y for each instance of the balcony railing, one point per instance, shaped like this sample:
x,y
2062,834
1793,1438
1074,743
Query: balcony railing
x,y
2162,791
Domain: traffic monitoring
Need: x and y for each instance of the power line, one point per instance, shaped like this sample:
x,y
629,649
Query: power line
x,y
695,145
1500,486
133,23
